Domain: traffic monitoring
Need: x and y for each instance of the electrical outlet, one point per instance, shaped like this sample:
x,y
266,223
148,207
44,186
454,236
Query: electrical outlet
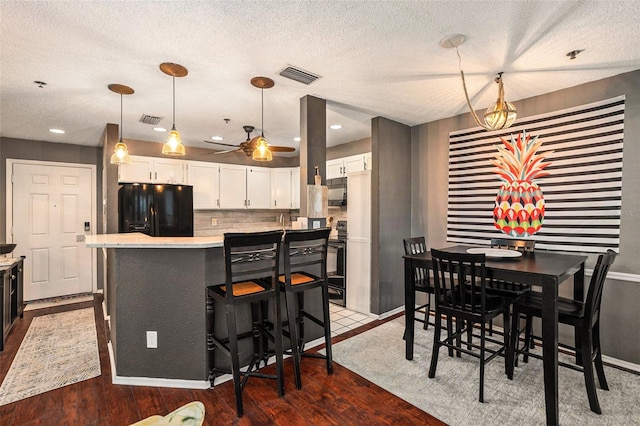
x,y
214,221
152,339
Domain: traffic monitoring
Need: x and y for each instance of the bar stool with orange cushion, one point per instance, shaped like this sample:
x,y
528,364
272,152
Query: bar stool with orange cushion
x,y
305,268
251,266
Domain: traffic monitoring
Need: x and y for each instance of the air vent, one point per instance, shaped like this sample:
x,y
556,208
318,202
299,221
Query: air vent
x,y
299,75
150,119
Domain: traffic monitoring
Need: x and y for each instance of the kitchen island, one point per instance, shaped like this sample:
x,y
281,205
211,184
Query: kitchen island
x,y
158,284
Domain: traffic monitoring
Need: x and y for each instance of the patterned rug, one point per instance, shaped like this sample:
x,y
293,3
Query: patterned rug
x,y
58,350
452,396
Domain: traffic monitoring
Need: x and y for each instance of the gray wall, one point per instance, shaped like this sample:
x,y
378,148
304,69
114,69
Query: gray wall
x,y
390,211
429,194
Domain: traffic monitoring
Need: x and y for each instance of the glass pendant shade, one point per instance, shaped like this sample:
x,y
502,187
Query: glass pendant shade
x,y
173,145
500,115
262,151
120,154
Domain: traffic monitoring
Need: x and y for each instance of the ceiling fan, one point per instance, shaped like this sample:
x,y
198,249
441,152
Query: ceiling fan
x,y
249,145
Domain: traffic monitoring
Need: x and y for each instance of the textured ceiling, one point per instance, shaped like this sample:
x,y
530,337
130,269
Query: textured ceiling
x,y
376,58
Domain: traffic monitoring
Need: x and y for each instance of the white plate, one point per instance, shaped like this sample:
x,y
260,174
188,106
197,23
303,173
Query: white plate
x,y
493,252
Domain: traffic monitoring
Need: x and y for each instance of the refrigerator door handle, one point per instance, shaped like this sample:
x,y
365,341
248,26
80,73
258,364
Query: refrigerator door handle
x,y
153,219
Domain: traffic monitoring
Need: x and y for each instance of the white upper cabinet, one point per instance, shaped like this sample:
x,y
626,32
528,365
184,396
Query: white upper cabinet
x,y
295,188
233,186
281,192
152,170
205,179
335,168
140,170
168,170
258,187
354,163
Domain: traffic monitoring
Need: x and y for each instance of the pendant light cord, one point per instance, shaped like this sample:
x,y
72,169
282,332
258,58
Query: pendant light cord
x,y
262,125
174,101
121,117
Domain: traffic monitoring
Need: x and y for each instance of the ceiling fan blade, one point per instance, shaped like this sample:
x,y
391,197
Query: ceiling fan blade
x,y
228,150
281,148
218,143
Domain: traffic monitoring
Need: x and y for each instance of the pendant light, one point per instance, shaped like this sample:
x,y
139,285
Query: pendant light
x,y
262,151
173,146
498,116
120,154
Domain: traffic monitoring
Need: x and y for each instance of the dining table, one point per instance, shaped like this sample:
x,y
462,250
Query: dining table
x,y
541,268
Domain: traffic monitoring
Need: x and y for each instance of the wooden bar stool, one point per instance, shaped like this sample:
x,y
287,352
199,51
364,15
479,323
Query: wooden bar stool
x,y
305,268
251,266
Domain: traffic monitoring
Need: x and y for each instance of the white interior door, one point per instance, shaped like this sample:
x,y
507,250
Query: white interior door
x,y
50,207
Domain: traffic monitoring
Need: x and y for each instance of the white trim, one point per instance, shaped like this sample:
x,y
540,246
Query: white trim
x,y
621,363
387,314
94,209
149,381
617,276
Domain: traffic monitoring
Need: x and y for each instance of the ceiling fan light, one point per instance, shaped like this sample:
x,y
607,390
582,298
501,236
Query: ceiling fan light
x,y
262,151
173,145
120,154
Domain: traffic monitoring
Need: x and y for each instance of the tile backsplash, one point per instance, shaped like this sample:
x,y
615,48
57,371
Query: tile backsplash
x,y
239,221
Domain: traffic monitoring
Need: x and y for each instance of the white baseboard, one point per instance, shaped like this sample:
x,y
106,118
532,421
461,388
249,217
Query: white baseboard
x,y
150,381
621,363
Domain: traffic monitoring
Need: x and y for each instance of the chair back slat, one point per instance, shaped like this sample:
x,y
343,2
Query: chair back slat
x,y
596,285
307,250
252,255
417,245
460,280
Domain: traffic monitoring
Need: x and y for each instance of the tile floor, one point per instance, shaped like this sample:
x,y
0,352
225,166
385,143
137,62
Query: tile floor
x,y
343,319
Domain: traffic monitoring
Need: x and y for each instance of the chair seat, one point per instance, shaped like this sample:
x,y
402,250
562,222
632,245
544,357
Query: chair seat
x,y
243,288
299,278
568,309
505,288
424,285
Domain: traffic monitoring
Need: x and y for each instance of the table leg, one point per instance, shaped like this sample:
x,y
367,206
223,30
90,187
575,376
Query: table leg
x,y
578,294
409,312
550,350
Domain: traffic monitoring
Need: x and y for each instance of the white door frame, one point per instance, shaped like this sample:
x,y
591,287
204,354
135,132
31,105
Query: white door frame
x,y
94,216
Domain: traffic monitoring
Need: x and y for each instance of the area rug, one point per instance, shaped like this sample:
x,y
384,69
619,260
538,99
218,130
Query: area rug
x,y
58,350
452,396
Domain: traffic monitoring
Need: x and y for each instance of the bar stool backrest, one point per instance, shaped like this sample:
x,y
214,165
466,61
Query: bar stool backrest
x,y
594,294
306,250
417,245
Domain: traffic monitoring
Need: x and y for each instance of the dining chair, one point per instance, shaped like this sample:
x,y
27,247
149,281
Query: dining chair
x,y
251,272
460,293
507,288
423,283
584,317
305,268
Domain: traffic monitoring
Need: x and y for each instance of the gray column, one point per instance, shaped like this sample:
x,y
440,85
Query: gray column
x,y
313,144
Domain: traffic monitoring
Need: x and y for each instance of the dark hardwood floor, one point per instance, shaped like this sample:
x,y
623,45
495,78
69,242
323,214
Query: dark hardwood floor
x,y
343,398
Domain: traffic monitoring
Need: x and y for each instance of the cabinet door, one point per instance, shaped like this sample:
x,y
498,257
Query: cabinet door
x,y
354,163
281,188
233,185
204,177
335,168
295,188
167,170
139,171
258,188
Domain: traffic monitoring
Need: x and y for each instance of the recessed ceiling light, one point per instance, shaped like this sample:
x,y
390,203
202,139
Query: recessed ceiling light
x,y
297,139
59,131
336,126
217,138
159,129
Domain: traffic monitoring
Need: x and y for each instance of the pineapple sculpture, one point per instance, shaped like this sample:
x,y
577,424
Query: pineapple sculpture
x,y
519,205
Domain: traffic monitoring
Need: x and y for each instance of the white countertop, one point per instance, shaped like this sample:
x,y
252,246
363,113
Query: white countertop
x,y
139,240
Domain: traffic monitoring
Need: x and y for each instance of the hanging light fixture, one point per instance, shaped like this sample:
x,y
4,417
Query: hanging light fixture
x,y
173,145
120,154
500,115
262,151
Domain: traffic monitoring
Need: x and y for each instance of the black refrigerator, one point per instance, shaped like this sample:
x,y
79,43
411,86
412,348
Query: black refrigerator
x,y
158,210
